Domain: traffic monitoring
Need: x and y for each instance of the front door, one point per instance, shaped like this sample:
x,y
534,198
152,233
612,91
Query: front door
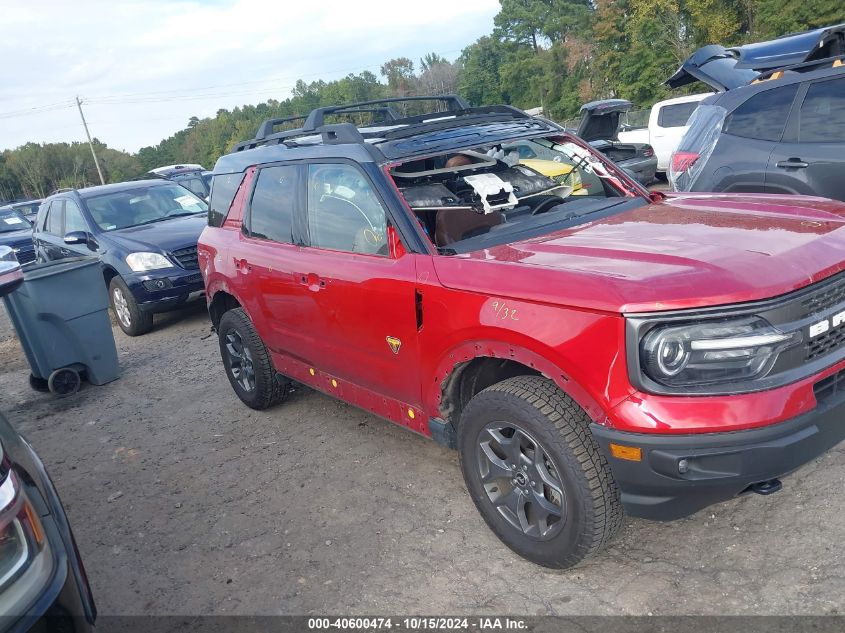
x,y
48,238
364,328
811,158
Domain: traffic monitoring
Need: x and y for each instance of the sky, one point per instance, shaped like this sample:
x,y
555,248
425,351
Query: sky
x,y
142,68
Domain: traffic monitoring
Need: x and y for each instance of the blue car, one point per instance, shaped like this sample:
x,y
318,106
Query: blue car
x,y
145,233
16,233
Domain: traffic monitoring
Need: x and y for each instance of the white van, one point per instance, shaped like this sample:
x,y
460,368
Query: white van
x,y
667,124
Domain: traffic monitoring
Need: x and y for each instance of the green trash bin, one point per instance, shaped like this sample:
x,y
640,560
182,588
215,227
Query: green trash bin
x,y
60,313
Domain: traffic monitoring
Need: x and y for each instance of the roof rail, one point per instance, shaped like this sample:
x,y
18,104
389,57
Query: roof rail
x,y
62,190
454,103
314,123
814,64
266,128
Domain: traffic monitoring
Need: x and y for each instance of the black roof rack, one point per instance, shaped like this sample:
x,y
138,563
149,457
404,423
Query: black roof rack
x,y
314,123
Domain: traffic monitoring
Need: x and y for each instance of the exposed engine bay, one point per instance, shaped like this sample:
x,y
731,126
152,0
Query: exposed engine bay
x,y
473,192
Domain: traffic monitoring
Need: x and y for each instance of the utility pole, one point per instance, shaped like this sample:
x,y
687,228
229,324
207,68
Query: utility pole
x,y
88,134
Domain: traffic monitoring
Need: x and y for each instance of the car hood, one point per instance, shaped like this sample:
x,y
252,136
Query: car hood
x,y
687,251
16,238
168,235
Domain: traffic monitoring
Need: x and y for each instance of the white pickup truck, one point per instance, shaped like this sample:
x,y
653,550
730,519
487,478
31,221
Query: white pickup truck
x,y
667,124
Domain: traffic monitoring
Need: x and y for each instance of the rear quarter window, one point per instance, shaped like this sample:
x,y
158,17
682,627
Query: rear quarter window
x,y
223,190
763,116
676,115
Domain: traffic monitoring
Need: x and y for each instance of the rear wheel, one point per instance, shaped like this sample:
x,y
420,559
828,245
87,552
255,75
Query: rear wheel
x,y
535,472
131,319
248,365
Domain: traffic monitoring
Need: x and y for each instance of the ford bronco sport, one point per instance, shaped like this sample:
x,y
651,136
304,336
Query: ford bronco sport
x,y
586,350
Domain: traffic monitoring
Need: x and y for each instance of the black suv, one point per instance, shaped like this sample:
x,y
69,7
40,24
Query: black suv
x,y
777,124
145,232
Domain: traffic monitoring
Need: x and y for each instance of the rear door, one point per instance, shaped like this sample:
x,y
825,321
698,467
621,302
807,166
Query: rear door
x,y
811,157
364,320
267,261
750,134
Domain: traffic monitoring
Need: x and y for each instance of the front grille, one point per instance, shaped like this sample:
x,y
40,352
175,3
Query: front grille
x,y
193,278
830,386
825,298
187,257
25,257
825,343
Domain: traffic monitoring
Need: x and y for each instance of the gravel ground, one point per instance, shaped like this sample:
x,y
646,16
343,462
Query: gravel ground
x,y
185,501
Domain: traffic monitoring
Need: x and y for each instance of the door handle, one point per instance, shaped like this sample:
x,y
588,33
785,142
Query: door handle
x,y
792,163
243,265
312,281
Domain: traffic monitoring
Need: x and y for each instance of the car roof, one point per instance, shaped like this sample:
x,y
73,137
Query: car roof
x,y
90,192
685,99
390,138
172,170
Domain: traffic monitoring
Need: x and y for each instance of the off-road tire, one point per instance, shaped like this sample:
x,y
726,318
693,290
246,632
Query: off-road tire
x,y
593,512
268,390
140,322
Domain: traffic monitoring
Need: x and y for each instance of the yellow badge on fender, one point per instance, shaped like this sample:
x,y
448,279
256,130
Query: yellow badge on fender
x,y
394,343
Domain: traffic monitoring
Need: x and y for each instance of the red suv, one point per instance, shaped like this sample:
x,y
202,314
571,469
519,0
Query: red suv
x,y
587,347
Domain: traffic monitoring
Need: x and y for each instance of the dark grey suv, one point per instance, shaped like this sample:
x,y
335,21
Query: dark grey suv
x,y
782,133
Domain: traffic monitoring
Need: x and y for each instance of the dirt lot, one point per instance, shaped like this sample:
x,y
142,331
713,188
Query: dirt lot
x,y
185,501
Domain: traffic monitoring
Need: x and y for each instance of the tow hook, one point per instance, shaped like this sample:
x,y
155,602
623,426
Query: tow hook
x,y
767,487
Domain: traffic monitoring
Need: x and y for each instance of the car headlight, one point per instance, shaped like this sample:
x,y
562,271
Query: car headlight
x,y
21,532
140,262
723,352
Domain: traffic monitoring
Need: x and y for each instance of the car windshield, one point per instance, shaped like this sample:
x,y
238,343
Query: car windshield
x,y
483,196
143,205
12,220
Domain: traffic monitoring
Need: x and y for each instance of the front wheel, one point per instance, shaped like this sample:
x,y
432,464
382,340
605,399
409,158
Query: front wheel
x,y
535,472
248,365
131,319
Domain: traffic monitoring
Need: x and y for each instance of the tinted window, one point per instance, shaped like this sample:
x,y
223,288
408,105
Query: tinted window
x,y
344,214
763,116
823,113
273,204
195,185
53,223
223,190
676,115
73,218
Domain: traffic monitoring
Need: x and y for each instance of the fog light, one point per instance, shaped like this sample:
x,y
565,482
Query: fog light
x,y
154,285
683,466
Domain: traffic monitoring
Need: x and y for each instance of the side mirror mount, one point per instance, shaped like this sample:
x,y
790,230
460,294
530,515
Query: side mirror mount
x,y
395,246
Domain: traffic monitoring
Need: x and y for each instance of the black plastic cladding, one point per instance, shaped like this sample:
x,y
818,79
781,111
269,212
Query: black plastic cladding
x,y
795,311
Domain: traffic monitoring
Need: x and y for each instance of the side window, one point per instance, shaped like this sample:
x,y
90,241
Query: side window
x,y
223,190
273,204
823,113
53,224
763,116
344,213
194,185
676,115
73,218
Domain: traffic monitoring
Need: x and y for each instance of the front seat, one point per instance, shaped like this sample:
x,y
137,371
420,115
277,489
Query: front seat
x,y
453,225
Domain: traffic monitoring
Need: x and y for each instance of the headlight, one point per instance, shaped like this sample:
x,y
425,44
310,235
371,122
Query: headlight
x,y
722,352
21,532
140,262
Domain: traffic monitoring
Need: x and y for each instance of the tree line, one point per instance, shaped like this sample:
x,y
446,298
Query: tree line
x,y
556,54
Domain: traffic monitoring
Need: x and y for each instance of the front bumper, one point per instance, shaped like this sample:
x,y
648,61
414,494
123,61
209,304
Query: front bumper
x,y
718,466
167,289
